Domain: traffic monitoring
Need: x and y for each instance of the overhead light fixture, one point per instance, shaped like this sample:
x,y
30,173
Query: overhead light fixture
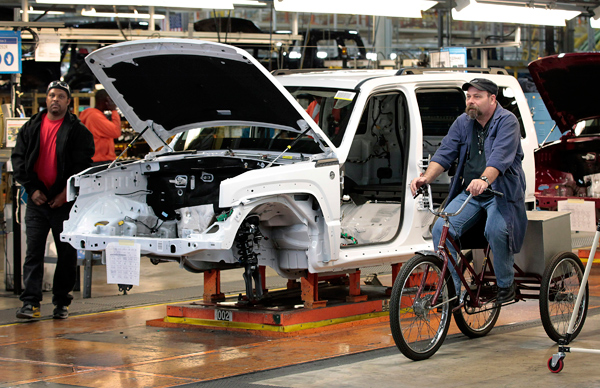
x,y
594,21
134,15
32,11
212,4
461,4
249,2
471,10
596,13
406,9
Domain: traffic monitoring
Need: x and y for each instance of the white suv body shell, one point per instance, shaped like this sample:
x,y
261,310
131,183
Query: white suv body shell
x,y
298,200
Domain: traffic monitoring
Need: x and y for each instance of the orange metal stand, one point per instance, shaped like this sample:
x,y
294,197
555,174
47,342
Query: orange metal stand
x,y
310,291
212,286
395,271
354,288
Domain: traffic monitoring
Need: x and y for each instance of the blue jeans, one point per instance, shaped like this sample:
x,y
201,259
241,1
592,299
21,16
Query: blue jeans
x,y
39,220
495,232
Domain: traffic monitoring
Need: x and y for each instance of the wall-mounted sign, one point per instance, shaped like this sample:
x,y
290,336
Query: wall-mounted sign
x,y
449,57
10,52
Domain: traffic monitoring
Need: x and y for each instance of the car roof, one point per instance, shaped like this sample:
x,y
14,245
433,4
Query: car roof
x,y
352,79
342,79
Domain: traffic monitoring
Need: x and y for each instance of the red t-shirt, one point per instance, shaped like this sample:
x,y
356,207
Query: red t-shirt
x,y
45,167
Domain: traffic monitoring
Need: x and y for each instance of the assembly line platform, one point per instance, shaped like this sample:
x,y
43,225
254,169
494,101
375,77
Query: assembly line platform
x,y
283,313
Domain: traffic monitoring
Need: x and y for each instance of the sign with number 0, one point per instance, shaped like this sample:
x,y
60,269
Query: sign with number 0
x,y
10,52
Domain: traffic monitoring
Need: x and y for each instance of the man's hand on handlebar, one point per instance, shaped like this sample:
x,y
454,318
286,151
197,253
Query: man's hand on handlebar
x,y
477,186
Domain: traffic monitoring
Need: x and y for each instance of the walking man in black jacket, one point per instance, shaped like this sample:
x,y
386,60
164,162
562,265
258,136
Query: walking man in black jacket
x,y
51,146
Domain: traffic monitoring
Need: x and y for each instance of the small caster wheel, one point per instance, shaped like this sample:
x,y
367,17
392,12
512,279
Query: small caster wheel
x,y
558,367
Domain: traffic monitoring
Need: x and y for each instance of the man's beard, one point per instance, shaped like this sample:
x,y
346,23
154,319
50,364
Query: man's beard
x,y
55,110
473,112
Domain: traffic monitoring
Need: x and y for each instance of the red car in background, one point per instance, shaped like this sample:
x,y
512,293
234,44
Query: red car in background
x,y
569,85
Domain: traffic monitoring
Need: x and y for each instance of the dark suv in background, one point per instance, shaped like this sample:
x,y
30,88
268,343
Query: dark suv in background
x,y
327,48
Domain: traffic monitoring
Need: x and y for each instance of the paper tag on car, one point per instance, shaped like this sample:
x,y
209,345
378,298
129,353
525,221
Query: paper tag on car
x,y
344,95
123,263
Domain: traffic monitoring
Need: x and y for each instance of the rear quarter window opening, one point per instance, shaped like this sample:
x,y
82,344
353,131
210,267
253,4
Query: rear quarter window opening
x,y
506,98
439,107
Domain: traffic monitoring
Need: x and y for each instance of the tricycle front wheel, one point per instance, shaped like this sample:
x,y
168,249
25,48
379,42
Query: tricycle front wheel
x,y
418,323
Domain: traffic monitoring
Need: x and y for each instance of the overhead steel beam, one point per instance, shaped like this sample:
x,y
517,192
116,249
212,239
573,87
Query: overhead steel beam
x,y
32,24
582,6
99,35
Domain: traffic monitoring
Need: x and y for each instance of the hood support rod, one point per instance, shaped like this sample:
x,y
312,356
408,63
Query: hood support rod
x,y
128,147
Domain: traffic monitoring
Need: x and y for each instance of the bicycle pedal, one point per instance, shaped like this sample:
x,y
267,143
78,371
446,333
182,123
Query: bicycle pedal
x,y
458,307
503,304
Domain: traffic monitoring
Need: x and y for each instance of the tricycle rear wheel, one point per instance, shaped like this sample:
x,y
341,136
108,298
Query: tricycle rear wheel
x,y
558,294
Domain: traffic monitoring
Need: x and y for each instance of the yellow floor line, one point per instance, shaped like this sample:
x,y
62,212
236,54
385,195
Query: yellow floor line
x,y
279,329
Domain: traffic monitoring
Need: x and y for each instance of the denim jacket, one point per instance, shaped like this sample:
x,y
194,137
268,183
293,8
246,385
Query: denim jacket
x,y
503,151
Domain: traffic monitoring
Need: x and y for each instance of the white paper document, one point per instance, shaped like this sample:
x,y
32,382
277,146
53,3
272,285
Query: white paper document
x,y
48,49
123,263
583,214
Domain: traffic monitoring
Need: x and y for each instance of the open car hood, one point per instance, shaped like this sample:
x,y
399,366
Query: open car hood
x,y
568,84
173,85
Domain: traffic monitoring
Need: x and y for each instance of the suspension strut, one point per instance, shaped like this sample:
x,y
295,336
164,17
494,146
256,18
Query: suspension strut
x,y
247,237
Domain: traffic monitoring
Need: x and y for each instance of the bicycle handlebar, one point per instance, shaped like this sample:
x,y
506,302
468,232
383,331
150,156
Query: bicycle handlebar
x,y
426,190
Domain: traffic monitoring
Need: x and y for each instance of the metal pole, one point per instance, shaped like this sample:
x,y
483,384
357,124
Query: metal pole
x,y
16,214
449,27
151,12
25,9
440,29
295,23
591,38
484,58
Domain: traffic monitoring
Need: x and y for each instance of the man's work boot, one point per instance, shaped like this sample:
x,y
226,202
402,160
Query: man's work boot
x,y
506,294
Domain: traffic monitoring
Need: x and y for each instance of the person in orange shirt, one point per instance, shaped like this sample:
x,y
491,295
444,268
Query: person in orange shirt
x,y
314,110
103,129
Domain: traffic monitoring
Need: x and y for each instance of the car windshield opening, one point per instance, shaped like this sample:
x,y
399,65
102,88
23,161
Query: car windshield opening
x,y
255,138
329,108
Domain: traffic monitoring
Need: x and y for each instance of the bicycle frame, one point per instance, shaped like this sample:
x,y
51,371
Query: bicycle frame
x,y
460,264
443,253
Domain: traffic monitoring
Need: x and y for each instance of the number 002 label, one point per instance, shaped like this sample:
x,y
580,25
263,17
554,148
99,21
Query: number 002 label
x,y
223,315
